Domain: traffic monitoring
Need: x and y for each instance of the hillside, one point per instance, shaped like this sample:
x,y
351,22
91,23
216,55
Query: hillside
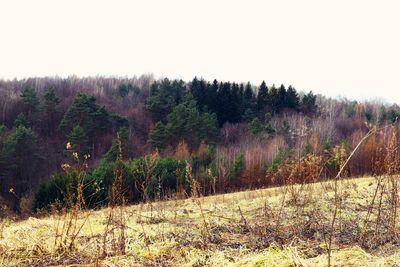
x,y
235,136
283,226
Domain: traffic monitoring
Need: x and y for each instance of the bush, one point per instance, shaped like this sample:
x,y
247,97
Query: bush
x,y
238,166
54,192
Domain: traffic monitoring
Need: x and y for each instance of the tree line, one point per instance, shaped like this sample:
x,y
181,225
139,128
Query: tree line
x,y
230,133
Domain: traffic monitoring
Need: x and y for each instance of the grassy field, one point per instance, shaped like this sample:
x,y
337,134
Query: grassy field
x,y
286,226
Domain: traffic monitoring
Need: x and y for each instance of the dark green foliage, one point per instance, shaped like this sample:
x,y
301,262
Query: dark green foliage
x,y
165,95
369,116
51,102
393,115
31,103
94,120
255,126
198,88
248,100
79,141
292,99
21,157
238,166
283,154
274,99
167,173
21,121
126,149
267,123
308,103
51,192
262,97
350,109
186,123
158,136
124,89
281,98
86,113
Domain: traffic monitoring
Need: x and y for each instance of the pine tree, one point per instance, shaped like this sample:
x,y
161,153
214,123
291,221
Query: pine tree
x,y
78,139
255,126
22,159
274,99
281,98
262,97
292,99
308,103
165,95
21,121
120,141
50,106
31,103
158,136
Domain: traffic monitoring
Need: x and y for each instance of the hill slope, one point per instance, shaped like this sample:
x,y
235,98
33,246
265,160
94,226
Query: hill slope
x,y
284,226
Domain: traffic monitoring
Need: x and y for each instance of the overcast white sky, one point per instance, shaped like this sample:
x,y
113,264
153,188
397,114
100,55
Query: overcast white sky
x,y
342,47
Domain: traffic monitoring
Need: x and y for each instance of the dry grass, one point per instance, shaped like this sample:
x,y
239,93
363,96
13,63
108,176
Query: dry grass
x,y
250,228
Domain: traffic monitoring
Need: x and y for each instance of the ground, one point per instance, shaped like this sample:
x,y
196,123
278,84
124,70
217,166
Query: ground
x,y
285,226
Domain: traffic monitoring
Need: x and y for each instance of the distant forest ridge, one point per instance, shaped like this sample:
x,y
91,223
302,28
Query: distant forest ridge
x,y
227,135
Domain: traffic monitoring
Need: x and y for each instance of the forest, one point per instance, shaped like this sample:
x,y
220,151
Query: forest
x,y
228,136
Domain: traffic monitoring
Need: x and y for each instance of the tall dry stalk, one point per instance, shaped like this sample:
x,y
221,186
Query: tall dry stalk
x,y
68,226
337,198
116,223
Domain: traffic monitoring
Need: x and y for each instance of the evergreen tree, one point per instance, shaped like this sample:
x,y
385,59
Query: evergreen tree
x,y
281,98
186,123
248,96
198,88
21,121
224,101
31,103
308,103
50,106
292,99
274,99
22,159
262,97
93,119
255,126
165,95
121,141
267,123
78,139
158,136
212,97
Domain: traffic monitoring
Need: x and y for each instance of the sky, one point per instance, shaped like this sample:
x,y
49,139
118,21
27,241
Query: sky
x,y
348,48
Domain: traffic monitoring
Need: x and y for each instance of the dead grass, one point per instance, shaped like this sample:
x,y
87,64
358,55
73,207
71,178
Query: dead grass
x,y
251,228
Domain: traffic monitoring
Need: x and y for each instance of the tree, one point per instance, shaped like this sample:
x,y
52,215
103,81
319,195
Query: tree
x,y
248,98
274,99
186,123
165,95
262,96
93,119
22,157
50,107
255,126
308,105
21,121
292,99
267,123
78,139
281,104
198,89
31,102
225,108
121,141
158,136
